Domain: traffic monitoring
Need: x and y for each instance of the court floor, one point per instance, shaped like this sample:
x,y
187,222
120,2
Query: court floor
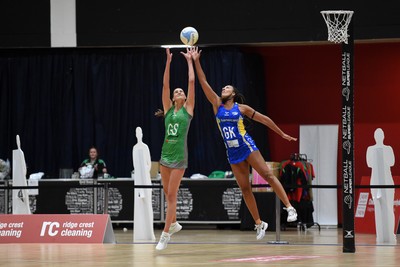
x,y
209,247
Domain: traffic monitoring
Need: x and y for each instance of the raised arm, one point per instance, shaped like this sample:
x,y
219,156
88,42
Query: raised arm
x,y
261,118
212,97
189,104
166,100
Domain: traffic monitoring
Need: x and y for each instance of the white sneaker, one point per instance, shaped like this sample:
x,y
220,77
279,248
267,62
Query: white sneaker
x,y
261,228
292,214
164,239
174,228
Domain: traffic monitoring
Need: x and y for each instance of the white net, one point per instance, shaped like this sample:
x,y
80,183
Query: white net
x,y
337,22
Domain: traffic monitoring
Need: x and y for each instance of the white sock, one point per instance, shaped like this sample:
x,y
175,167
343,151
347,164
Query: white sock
x,y
165,233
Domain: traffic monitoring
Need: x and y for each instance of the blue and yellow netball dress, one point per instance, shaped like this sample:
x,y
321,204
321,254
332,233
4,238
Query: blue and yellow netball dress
x,y
238,142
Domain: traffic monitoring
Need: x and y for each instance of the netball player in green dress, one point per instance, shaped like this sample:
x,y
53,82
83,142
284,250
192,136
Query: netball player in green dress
x,y
178,113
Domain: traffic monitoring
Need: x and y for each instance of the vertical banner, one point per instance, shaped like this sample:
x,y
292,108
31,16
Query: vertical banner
x,y
348,143
63,23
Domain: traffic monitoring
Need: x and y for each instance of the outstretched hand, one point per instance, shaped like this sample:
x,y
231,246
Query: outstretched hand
x,y
288,137
194,51
188,54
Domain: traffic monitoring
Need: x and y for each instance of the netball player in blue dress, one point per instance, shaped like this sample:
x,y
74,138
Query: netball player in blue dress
x,y
241,149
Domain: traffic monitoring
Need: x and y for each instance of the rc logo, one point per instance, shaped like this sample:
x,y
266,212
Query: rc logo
x,y
50,228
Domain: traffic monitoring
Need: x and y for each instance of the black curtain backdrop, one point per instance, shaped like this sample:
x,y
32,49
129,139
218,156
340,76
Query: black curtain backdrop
x,y
62,101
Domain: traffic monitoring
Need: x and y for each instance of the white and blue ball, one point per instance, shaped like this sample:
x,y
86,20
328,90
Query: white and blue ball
x,y
189,36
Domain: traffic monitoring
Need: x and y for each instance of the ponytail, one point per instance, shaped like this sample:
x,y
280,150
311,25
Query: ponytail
x,y
240,99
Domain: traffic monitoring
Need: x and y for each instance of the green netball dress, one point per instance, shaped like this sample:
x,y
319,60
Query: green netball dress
x,y
174,149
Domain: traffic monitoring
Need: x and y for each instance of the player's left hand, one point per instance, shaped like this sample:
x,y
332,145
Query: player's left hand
x,y
288,137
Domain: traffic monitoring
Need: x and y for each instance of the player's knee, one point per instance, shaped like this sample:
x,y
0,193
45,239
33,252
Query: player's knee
x,y
268,176
170,197
246,190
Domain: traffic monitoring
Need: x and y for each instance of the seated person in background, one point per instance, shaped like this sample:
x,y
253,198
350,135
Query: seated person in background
x,y
93,167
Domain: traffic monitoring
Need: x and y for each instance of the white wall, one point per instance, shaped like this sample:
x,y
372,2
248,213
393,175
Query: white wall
x,y
320,144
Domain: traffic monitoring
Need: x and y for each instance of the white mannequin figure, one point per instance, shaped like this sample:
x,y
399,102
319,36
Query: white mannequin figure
x,y
380,158
20,196
143,211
